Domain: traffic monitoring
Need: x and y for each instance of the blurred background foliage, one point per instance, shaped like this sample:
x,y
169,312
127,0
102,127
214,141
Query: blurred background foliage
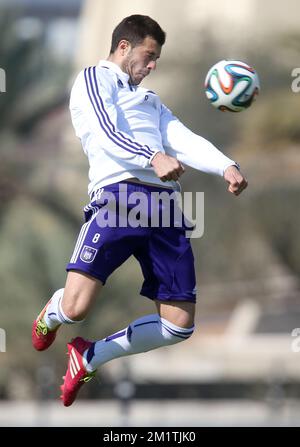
x,y
43,178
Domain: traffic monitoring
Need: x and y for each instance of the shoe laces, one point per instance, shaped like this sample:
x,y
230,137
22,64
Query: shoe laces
x,y
88,376
41,328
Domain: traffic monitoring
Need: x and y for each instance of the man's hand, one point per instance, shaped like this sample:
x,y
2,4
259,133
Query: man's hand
x,y
167,167
235,179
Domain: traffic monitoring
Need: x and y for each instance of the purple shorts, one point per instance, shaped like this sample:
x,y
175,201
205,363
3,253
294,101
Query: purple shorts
x,y
110,236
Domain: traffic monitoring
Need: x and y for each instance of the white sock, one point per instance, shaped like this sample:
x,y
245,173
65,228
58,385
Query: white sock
x,y
142,335
54,315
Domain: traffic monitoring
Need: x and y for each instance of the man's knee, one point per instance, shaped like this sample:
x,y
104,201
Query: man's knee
x,y
180,313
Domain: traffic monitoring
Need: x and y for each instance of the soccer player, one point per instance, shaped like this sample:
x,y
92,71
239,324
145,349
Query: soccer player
x,y
134,141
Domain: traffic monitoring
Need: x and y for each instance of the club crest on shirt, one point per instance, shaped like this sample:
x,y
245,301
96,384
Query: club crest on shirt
x,y
88,254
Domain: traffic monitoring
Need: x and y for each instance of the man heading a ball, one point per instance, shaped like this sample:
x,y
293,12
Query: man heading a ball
x,y
132,140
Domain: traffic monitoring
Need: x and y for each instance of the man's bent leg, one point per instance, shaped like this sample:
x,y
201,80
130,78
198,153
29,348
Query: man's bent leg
x,y
142,335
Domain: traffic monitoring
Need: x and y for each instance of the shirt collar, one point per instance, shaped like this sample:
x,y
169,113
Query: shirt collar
x,y
115,68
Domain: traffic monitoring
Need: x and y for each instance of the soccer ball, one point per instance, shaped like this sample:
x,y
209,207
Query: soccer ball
x,y
231,85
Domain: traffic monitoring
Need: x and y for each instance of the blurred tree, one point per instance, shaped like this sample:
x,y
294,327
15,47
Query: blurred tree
x,y
34,88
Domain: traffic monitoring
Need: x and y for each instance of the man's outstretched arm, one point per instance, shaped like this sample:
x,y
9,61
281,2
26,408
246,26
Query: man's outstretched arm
x,y
190,148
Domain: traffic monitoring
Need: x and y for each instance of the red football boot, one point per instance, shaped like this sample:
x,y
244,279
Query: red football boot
x,y
42,337
76,374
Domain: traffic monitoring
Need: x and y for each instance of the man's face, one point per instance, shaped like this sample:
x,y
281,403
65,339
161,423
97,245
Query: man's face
x,y
140,60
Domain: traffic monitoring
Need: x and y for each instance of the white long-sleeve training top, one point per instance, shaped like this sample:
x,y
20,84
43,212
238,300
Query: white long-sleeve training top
x,y
122,127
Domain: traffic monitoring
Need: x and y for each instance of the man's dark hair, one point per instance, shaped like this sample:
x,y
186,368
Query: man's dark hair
x,y
135,29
